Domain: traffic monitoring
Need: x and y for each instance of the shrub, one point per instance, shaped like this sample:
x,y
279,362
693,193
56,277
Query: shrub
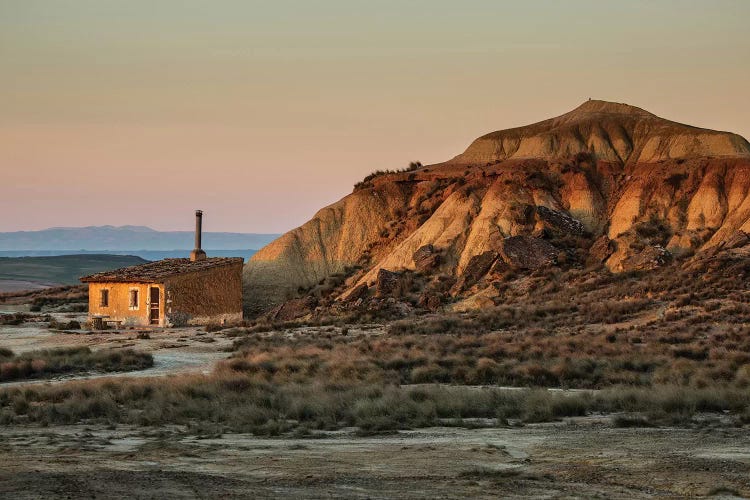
x,y
178,319
214,327
13,319
631,421
367,181
70,325
260,407
51,362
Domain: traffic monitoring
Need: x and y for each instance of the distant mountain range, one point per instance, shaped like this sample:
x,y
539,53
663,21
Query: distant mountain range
x,y
144,254
125,238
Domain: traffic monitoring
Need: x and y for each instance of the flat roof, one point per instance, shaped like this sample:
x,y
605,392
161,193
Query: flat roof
x,y
159,270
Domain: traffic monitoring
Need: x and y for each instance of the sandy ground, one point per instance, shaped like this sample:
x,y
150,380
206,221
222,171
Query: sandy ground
x,y
578,459
175,351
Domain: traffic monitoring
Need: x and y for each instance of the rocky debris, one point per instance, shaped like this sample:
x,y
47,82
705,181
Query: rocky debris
x,y
649,258
475,270
526,252
389,308
430,300
387,284
360,292
293,309
441,283
499,268
559,221
737,240
472,303
426,258
600,251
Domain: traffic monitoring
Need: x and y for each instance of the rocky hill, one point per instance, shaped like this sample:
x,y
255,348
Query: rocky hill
x,y
606,184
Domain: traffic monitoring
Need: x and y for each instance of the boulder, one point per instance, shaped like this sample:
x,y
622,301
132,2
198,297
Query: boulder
x,y
387,284
559,222
430,300
737,240
293,309
526,252
475,270
359,292
600,251
426,258
649,258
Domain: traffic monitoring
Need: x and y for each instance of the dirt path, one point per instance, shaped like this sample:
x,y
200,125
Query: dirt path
x,y
579,459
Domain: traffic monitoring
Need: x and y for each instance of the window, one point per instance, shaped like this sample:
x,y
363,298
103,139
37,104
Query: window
x,y
133,299
104,298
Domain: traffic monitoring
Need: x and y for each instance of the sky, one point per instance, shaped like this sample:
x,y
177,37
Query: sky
x,y
260,113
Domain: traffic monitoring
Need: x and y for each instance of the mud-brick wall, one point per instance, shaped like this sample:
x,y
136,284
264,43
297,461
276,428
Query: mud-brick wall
x,y
119,302
205,296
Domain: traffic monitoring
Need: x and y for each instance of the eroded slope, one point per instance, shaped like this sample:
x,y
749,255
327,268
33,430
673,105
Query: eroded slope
x,y
606,183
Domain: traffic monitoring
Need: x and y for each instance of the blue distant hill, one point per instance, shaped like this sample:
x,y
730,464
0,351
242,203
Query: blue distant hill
x,y
130,239
144,254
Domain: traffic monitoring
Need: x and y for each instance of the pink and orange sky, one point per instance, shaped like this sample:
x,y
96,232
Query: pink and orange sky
x,y
260,113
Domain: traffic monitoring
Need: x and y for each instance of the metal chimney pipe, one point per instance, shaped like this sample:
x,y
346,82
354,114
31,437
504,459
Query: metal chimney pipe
x,y
198,225
198,253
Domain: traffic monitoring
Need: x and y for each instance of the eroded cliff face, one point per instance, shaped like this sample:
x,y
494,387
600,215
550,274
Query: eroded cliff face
x,y
606,183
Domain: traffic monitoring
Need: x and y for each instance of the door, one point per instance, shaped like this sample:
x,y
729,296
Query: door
x,y
154,308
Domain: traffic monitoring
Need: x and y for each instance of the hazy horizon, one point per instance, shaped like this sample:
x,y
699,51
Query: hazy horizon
x,y
137,113
126,226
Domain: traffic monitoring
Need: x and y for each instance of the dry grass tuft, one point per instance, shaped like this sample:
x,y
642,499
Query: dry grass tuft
x,y
52,362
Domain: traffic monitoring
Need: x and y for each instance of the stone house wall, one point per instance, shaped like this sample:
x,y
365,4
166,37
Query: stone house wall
x,y
212,295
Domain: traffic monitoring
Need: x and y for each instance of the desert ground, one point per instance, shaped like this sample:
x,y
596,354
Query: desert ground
x,y
175,350
576,457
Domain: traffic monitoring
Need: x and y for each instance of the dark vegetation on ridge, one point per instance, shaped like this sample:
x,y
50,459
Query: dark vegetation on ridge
x,y
64,269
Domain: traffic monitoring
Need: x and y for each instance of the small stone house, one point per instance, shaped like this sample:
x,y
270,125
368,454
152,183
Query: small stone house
x,y
169,292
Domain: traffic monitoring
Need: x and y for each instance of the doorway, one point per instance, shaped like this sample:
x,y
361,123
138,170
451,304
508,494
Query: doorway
x,y
154,310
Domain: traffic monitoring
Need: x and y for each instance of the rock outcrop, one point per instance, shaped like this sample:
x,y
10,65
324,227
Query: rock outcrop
x,y
606,183
388,284
426,259
526,252
475,270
